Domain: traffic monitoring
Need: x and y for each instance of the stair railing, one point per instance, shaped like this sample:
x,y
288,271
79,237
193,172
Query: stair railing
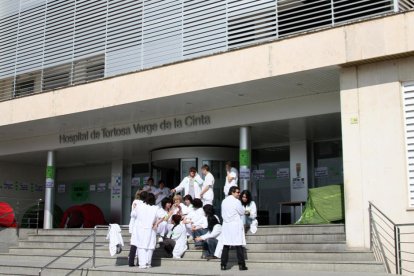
x,y
391,243
66,252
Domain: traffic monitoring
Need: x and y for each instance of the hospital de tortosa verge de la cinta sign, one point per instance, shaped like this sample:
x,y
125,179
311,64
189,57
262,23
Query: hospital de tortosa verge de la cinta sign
x,y
189,121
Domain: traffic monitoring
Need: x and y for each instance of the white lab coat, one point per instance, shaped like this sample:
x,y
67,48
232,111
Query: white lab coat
x,y
145,217
115,238
150,189
162,193
179,234
215,233
132,219
208,196
233,228
252,209
233,173
185,185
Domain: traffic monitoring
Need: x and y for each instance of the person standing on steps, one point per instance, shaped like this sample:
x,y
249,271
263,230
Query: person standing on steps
x,y
207,193
232,233
231,178
191,184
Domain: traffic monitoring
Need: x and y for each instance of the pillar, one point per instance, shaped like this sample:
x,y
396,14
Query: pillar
x,y
116,191
244,157
49,191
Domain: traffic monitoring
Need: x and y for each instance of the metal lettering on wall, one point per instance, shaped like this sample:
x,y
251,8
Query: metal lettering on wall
x,y
135,129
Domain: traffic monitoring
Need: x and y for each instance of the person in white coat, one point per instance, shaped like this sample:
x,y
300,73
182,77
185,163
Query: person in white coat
x,y
191,184
210,239
231,178
146,215
140,196
161,193
176,243
250,211
207,193
232,233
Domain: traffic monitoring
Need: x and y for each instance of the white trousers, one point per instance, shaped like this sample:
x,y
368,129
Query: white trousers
x,y
144,257
162,229
207,201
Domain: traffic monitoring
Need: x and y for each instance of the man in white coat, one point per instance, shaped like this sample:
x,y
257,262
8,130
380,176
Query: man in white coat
x,y
232,233
207,194
231,178
191,184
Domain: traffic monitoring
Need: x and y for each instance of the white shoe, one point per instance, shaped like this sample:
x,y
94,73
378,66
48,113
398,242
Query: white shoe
x,y
160,239
142,267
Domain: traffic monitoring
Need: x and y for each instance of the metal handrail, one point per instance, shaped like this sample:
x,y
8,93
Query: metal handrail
x,y
66,252
94,239
396,236
17,213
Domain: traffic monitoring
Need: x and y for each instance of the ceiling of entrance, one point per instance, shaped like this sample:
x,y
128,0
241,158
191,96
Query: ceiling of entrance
x,y
319,81
263,135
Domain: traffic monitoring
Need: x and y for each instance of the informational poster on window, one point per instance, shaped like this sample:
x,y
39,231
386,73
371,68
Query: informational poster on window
x,y
92,187
8,185
258,174
282,173
298,183
79,191
24,186
61,188
321,172
101,187
135,181
244,174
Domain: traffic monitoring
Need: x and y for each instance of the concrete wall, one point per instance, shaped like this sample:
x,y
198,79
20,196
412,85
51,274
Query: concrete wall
x,y
373,144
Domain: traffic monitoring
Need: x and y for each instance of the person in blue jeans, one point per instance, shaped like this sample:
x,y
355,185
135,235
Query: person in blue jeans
x,y
210,239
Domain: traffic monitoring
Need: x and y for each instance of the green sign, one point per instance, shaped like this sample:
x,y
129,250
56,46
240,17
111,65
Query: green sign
x,y
244,158
50,172
79,192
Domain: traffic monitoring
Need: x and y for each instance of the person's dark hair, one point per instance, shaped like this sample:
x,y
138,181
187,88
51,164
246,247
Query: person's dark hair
x,y
228,163
166,200
176,219
188,197
212,220
150,199
150,178
197,203
233,189
143,195
208,210
192,169
248,195
205,167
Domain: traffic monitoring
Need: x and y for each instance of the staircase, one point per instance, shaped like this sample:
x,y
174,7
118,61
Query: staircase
x,y
271,249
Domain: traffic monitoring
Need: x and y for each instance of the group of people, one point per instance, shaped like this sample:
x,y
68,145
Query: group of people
x,y
175,219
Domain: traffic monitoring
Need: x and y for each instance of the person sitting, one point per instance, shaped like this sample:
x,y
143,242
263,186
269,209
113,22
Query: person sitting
x,y
149,187
161,193
162,224
197,222
211,238
178,207
176,243
250,211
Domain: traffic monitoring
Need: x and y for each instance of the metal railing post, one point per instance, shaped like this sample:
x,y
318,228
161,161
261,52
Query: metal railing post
x,y
370,227
332,13
396,250
94,247
399,251
37,215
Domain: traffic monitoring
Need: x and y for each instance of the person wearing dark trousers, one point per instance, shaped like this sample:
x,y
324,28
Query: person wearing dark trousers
x,y
132,254
232,233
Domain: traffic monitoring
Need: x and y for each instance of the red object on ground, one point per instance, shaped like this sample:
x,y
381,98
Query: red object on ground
x,y
7,218
86,215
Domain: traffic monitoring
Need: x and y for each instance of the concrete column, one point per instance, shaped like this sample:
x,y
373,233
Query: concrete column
x,y
126,192
49,191
244,157
116,191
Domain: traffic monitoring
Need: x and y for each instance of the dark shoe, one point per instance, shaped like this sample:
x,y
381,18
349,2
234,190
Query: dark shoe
x,y
211,257
242,267
198,248
223,267
131,265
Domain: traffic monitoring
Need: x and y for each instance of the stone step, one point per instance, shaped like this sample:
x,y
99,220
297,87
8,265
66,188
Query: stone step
x,y
196,254
250,239
317,246
172,266
262,230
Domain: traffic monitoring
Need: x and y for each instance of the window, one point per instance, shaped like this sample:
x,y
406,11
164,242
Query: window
x,y
408,105
24,87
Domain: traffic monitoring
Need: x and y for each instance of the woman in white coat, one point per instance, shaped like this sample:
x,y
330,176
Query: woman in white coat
x,y
140,196
191,184
207,194
250,211
146,215
176,243
232,233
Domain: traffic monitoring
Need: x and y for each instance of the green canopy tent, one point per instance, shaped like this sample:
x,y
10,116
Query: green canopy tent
x,y
324,205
